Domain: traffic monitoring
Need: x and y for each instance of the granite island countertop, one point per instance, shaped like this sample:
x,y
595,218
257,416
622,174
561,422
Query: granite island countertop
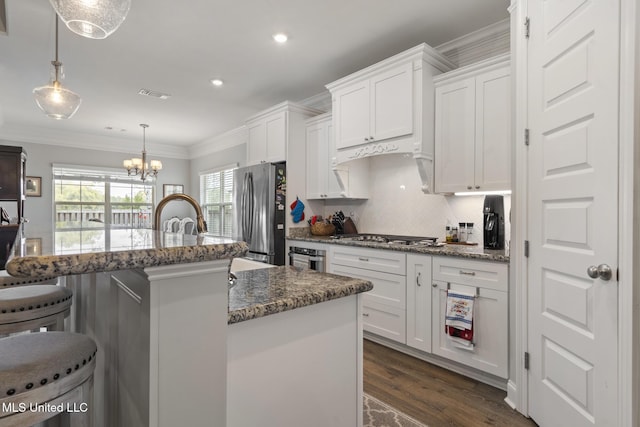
x,y
38,255
266,291
460,251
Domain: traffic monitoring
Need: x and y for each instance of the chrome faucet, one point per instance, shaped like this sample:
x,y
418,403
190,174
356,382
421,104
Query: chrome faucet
x,y
201,225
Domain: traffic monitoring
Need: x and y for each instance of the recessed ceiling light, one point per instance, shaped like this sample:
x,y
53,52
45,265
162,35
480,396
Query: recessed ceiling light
x,y
217,82
280,37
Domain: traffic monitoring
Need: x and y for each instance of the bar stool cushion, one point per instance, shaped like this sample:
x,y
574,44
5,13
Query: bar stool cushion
x,y
30,361
24,303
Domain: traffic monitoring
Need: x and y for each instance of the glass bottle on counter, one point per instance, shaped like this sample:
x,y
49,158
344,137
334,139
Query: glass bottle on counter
x,y
462,234
454,234
447,236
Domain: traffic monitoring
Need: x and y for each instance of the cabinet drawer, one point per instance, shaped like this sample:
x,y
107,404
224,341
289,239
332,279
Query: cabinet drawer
x,y
388,322
370,259
482,274
388,289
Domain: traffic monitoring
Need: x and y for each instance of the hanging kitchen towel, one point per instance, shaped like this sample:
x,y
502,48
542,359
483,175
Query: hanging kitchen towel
x,y
459,319
459,309
297,210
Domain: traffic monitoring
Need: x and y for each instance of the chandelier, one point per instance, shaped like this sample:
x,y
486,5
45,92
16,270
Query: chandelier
x,y
94,19
53,99
139,166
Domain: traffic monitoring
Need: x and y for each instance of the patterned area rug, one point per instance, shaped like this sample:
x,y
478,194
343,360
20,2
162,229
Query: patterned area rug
x,y
379,414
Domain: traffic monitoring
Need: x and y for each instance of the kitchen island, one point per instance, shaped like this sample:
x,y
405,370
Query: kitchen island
x,y
174,349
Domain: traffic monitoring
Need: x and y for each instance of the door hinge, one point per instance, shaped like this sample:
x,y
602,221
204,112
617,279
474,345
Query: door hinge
x,y
526,248
526,137
526,360
526,27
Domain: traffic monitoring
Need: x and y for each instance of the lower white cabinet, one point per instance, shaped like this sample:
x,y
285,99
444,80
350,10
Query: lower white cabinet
x,y
384,307
490,317
419,302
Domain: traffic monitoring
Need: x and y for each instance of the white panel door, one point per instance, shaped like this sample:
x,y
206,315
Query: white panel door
x,y
276,137
573,215
493,131
351,109
317,162
454,136
257,145
419,302
392,103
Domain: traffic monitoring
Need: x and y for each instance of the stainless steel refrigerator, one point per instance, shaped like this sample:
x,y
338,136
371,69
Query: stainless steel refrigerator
x,y
259,210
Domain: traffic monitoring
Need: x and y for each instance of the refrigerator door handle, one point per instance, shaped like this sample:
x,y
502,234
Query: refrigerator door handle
x,y
243,208
251,200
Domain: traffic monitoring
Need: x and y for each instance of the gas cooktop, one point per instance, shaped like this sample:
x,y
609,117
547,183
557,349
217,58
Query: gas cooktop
x,y
390,239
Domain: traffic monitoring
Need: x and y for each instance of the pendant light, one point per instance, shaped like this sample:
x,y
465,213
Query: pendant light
x,y
94,19
54,99
139,166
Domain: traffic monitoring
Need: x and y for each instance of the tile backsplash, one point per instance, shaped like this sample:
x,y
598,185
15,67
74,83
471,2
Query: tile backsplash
x,y
398,206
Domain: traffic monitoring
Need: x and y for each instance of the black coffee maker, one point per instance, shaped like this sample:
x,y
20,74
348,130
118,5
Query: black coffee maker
x,y
493,222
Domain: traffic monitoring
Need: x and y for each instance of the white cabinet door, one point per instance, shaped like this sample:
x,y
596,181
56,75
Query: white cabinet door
x,y
419,302
392,103
257,143
493,131
388,289
351,109
490,329
321,180
317,162
454,136
276,137
267,139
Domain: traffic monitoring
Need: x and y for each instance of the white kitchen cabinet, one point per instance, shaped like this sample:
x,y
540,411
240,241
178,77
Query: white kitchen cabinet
x,y
321,180
419,302
384,307
271,131
375,109
473,128
489,282
388,108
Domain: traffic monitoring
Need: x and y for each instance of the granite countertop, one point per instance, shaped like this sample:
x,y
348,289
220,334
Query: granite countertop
x,y
38,255
460,251
266,291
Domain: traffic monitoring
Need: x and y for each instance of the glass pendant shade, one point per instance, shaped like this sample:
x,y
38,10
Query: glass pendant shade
x,y
56,101
95,19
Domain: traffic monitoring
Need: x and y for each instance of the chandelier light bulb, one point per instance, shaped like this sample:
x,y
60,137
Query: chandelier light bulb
x,y
92,18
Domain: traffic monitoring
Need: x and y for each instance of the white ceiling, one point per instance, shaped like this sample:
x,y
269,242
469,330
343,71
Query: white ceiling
x,y
177,47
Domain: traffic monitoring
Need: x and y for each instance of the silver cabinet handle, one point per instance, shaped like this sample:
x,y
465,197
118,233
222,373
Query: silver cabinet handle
x,y
366,139
418,279
371,138
434,285
365,314
363,259
469,187
468,273
602,271
477,187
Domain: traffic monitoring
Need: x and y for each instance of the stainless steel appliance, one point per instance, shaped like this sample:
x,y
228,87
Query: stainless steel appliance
x,y
306,258
390,240
493,212
259,210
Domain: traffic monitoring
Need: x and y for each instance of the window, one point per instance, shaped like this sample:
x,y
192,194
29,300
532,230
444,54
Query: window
x,y
216,199
93,199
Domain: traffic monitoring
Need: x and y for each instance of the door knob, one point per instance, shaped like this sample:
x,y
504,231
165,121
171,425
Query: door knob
x,y
602,271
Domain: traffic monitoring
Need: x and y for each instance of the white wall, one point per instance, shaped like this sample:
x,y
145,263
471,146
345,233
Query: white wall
x,y
40,157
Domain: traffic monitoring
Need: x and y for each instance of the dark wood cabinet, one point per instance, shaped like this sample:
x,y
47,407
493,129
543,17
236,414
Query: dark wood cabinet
x,y
13,161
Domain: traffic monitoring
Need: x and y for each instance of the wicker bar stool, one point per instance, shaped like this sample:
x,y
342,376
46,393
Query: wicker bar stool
x,y
43,374
28,308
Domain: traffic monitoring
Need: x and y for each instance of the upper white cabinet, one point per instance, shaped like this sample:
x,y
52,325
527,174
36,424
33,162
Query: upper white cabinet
x,y
388,108
375,109
271,131
321,180
473,128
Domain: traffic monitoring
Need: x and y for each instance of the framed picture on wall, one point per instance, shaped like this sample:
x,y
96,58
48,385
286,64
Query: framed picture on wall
x,y
33,186
168,189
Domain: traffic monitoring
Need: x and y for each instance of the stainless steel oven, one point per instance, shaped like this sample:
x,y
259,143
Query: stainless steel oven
x,y
313,259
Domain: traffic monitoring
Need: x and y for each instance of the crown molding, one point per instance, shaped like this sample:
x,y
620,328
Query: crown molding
x,y
320,101
86,141
486,42
231,138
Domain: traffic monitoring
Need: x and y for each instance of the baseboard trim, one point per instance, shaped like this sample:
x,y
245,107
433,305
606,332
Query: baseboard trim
x,y
456,367
512,395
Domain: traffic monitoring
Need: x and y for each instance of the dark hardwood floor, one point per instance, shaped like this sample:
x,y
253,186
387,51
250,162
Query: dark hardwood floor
x,y
433,395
